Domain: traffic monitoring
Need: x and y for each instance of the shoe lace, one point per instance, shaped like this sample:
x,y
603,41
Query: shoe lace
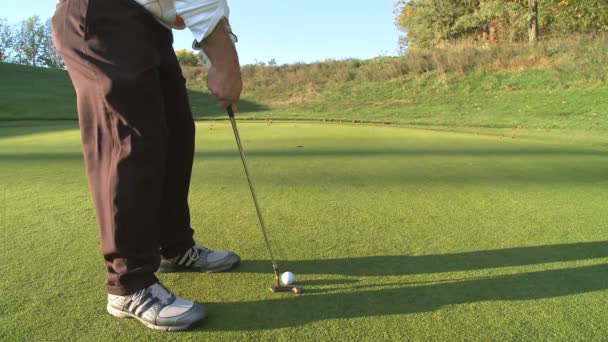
x,y
196,252
157,290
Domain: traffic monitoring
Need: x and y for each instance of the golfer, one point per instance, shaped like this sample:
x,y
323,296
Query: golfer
x,y
138,141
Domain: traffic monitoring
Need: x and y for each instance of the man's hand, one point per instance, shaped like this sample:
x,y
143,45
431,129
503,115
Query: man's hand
x,y
224,78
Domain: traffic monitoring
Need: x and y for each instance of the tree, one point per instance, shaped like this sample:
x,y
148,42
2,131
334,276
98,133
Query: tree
x,y
6,40
49,56
533,25
428,23
580,16
186,57
497,20
30,41
485,19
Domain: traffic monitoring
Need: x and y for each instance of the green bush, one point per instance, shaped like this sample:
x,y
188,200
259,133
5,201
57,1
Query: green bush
x,y
186,57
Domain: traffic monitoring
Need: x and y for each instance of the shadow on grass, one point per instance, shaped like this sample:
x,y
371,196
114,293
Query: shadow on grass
x,y
204,106
394,265
26,127
286,311
405,298
547,168
299,152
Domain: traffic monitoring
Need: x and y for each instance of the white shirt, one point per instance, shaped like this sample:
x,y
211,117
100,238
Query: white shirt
x,y
200,16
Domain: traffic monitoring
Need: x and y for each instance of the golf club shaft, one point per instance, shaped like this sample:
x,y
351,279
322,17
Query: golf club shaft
x,y
253,195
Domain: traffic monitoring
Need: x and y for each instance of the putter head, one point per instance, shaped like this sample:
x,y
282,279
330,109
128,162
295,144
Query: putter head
x,y
289,288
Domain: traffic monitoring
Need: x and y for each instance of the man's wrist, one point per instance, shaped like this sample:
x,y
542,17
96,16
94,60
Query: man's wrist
x,y
219,47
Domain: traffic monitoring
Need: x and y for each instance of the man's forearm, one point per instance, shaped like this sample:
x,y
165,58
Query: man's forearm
x,y
220,49
224,77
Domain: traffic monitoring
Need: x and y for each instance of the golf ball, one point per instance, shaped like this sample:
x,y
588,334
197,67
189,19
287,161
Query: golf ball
x,y
287,278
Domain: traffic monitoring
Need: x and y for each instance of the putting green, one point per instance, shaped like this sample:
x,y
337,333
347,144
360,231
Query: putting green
x,y
396,234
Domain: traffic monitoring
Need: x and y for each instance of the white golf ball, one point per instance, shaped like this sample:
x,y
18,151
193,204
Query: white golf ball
x,y
287,278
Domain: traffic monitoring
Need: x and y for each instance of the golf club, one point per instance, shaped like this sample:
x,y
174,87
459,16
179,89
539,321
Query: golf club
x,y
277,286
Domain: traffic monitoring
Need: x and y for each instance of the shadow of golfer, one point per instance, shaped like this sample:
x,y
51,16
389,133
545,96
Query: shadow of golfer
x,y
278,312
425,264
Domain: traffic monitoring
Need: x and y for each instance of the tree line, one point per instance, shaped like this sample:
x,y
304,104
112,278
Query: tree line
x,y
28,42
430,23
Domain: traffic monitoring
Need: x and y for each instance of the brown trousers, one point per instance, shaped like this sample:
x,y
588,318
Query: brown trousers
x,y
137,133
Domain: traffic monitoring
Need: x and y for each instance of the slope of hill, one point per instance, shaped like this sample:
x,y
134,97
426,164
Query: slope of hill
x,y
29,93
558,84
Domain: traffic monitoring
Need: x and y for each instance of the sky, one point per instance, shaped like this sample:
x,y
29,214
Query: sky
x,y
288,31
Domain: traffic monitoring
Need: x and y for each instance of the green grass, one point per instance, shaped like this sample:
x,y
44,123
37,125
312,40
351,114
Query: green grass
x,y
402,102
559,84
488,224
28,93
396,234
532,99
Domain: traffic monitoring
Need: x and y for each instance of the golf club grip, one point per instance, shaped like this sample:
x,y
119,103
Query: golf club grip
x,y
230,112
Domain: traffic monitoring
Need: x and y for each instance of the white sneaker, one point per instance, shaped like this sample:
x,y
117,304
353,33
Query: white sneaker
x,y
157,308
200,259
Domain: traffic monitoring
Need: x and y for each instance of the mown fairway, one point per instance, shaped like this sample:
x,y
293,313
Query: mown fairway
x,y
395,233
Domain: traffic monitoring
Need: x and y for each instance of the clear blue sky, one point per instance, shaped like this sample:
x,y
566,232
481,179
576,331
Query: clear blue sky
x,y
287,30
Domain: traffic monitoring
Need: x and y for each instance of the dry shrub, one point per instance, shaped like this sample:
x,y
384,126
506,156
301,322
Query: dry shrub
x,y
586,52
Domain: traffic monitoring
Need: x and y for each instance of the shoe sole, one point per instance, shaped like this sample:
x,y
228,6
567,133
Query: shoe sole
x,y
162,269
122,314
